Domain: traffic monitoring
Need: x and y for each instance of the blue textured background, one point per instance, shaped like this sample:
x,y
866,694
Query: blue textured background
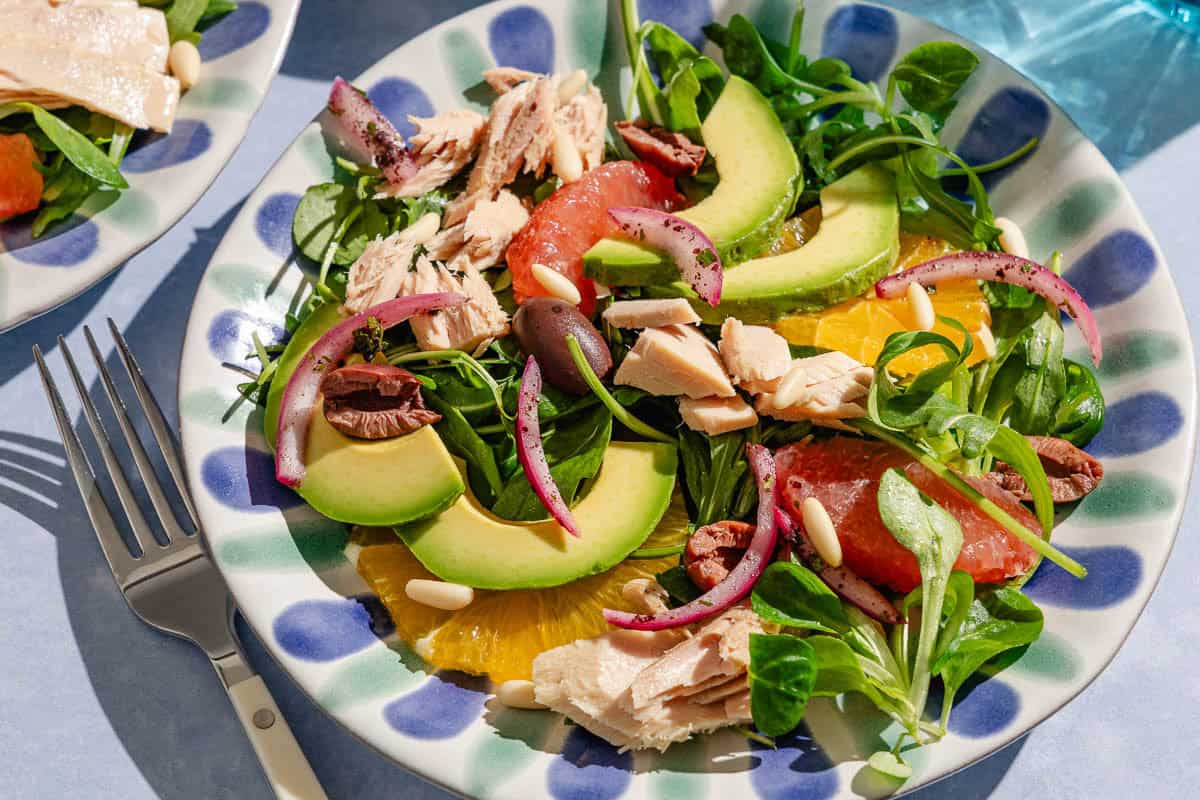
x,y
95,704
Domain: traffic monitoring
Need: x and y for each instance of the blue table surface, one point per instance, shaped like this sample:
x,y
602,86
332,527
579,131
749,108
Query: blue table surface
x,y
95,704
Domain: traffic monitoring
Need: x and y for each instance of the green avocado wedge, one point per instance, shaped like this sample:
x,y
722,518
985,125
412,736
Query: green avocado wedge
x,y
855,246
467,544
360,481
759,182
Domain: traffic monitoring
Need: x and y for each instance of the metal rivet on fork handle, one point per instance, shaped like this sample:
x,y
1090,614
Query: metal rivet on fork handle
x,y
263,718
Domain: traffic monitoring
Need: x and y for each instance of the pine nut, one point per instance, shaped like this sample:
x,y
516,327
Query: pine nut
x,y
820,531
564,157
184,60
570,86
439,594
987,340
423,229
646,595
518,694
556,284
922,306
1012,239
793,388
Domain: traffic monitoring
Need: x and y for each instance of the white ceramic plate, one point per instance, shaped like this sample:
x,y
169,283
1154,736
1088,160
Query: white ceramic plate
x,y
166,174
284,563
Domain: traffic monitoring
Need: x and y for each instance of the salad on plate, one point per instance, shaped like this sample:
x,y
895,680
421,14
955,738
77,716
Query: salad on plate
x,y
77,79
672,423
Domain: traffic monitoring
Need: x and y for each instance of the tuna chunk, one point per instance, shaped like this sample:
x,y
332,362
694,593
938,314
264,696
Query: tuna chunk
x,y
442,146
122,33
755,356
717,415
584,118
471,326
520,133
836,388
33,69
504,79
644,690
481,239
650,313
379,272
675,360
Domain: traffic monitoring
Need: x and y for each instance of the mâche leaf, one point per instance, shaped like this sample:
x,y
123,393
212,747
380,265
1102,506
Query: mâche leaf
x,y
782,674
792,595
932,73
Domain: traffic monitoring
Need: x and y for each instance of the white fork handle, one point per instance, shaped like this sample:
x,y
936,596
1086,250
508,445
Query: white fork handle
x,y
282,759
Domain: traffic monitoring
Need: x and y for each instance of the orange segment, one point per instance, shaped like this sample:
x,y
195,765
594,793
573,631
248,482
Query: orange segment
x,y
501,633
859,327
20,182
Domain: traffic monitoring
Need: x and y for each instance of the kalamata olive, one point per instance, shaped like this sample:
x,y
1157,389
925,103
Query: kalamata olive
x,y
542,324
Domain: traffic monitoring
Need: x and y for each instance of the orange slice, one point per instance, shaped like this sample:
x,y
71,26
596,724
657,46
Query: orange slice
x,y
501,633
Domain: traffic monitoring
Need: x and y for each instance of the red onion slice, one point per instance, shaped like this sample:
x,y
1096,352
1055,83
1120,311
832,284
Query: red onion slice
x,y
1003,268
741,579
844,583
296,407
530,452
369,133
688,246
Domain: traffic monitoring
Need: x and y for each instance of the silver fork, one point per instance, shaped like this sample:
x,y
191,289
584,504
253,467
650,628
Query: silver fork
x,y
173,587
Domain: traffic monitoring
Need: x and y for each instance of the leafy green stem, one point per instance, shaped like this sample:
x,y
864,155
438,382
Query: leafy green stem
x,y
642,80
956,482
459,357
619,412
992,166
658,552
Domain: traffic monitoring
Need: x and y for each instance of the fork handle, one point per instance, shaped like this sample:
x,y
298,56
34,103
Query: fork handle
x,y
280,755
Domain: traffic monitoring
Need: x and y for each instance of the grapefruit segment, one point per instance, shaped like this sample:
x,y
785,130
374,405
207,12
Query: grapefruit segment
x,y
20,181
566,224
844,472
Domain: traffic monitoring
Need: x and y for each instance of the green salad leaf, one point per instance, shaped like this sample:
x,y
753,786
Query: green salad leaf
x,y
75,147
792,595
782,674
932,73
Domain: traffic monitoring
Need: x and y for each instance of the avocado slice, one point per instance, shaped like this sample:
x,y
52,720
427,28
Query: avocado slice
x,y
359,481
855,246
469,545
760,178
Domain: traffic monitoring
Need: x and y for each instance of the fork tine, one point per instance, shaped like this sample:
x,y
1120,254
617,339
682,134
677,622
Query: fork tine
x,y
137,521
120,560
158,423
145,469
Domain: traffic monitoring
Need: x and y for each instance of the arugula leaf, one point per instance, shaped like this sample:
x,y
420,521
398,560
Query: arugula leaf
x,y
998,621
932,73
574,453
782,674
933,535
75,147
460,438
715,475
792,595
747,56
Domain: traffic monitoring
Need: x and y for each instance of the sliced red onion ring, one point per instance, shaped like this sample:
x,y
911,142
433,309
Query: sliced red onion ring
x,y
1003,268
296,408
844,583
741,579
369,133
688,246
530,452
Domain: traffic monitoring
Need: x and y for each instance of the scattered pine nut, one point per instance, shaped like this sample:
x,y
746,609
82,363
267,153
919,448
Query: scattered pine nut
x,y
518,694
439,594
922,307
570,86
821,532
987,340
184,60
423,229
793,388
564,157
1012,239
556,284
